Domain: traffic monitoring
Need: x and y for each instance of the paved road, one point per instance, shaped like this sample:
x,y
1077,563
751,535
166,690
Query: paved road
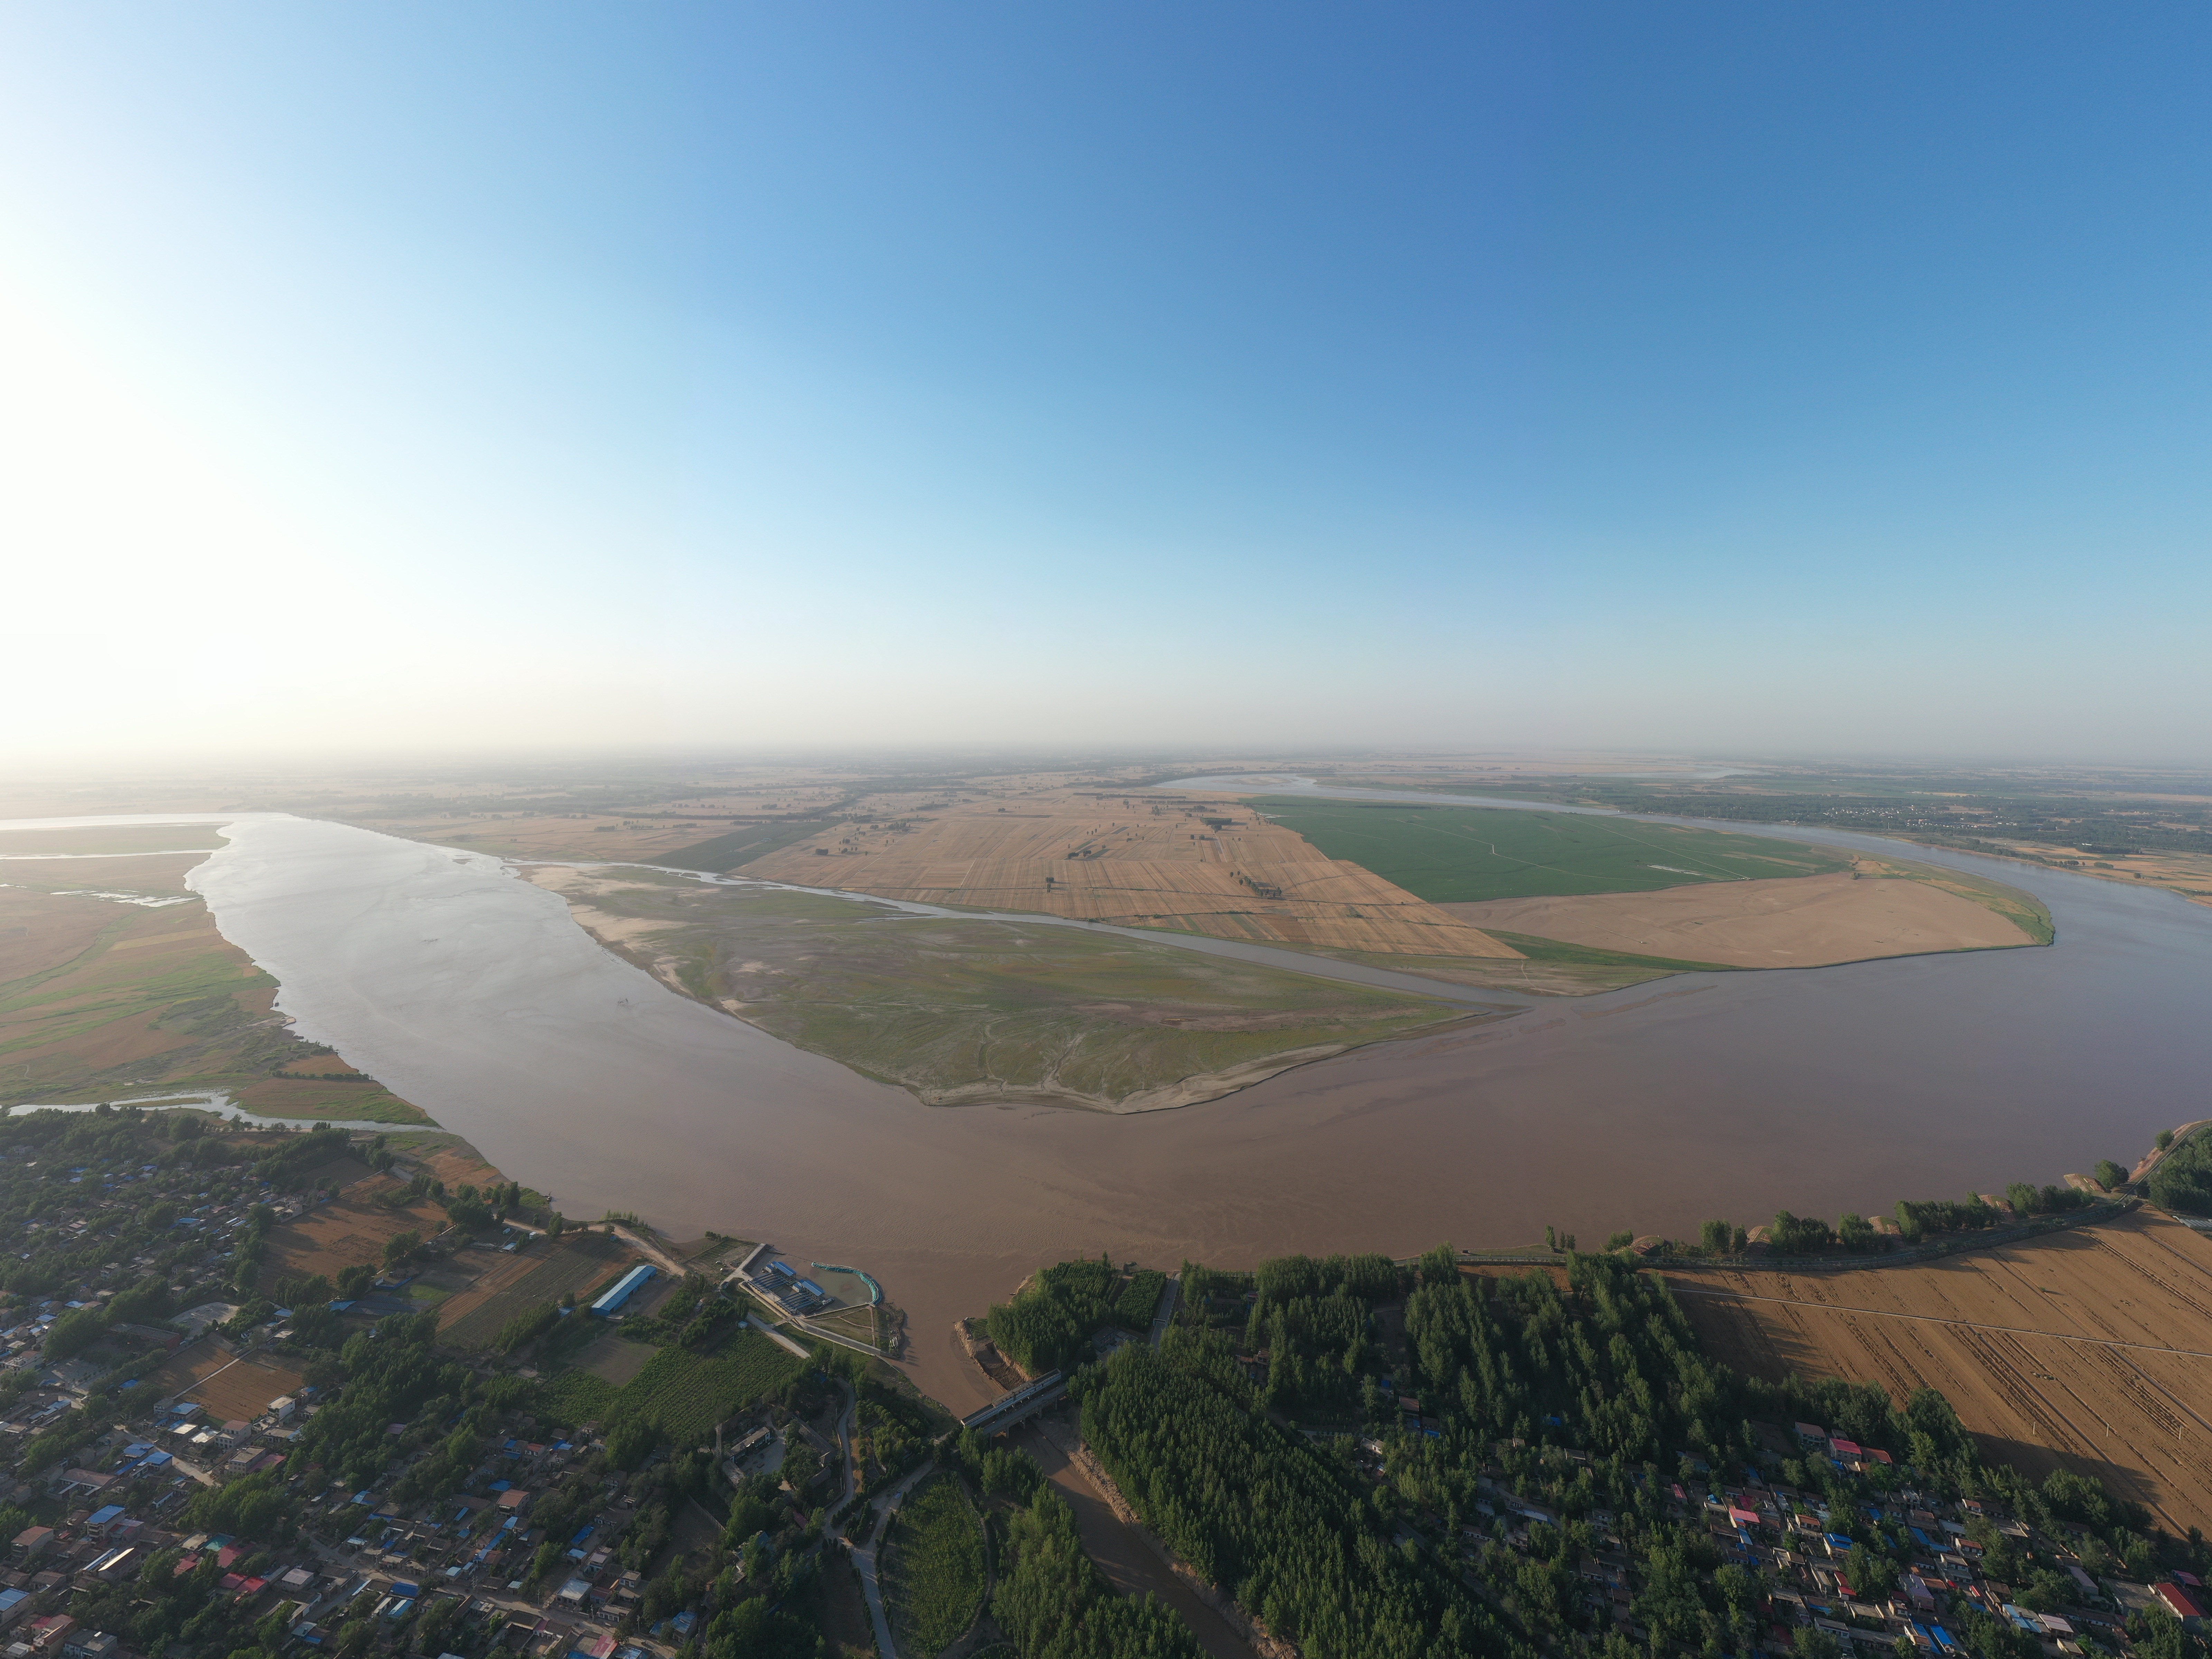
x,y
777,1336
845,1438
865,1556
1169,1297
1937,1319
193,1469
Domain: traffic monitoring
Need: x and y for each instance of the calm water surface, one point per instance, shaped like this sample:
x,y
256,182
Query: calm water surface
x,y
1651,1109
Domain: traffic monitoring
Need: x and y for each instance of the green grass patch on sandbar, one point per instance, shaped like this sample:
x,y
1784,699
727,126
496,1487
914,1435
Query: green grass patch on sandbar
x,y
1462,854
959,1009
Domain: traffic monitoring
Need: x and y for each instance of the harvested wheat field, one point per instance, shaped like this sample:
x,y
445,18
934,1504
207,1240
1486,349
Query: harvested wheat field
x,y
1201,867
351,1230
1803,922
2089,1348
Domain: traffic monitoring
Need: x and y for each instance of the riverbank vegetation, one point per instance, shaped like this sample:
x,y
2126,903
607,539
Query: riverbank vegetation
x,y
2182,1177
1047,1325
1051,1599
1914,1222
102,996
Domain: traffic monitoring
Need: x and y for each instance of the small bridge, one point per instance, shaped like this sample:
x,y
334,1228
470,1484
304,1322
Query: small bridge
x,y
1022,1403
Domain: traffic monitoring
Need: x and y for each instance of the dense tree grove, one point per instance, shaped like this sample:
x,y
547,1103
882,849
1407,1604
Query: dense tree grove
x,y
1589,1404
1310,1318
2182,1179
1054,1603
1613,1351
1251,1506
1047,1325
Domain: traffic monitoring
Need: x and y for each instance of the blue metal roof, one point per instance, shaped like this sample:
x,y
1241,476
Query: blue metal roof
x,y
619,1292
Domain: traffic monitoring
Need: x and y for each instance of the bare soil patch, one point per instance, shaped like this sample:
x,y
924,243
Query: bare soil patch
x,y
613,1360
228,1387
844,1613
1805,921
452,1161
351,1230
112,838
192,1363
2081,1349
244,1390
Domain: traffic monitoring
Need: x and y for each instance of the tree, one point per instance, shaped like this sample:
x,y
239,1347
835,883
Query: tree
x,y
1798,1235
2165,1139
401,1247
253,1504
75,1332
1872,1577
2110,1175
1713,1237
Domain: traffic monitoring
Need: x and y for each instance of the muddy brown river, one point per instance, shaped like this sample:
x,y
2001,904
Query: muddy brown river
x,y
1650,1110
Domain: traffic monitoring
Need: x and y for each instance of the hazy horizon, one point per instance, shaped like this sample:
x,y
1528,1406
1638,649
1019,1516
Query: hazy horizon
x,y
527,381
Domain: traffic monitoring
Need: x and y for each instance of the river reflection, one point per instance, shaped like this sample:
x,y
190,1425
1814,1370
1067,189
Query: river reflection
x,y
1649,1110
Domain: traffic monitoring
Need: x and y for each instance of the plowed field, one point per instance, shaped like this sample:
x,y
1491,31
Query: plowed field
x,y
2089,1349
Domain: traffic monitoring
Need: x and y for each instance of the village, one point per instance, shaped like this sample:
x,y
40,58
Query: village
x,y
320,1392
165,1477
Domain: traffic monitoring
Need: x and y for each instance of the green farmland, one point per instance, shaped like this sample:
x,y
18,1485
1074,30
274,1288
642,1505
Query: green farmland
x,y
1460,854
681,1394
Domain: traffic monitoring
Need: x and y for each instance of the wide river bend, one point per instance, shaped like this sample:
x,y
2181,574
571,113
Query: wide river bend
x,y
1651,1109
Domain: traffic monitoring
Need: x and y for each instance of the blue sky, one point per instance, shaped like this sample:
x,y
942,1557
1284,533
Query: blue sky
x,y
1715,378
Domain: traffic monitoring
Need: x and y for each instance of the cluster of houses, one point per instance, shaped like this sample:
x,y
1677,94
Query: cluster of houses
x,y
119,1500
357,1550
1800,1550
